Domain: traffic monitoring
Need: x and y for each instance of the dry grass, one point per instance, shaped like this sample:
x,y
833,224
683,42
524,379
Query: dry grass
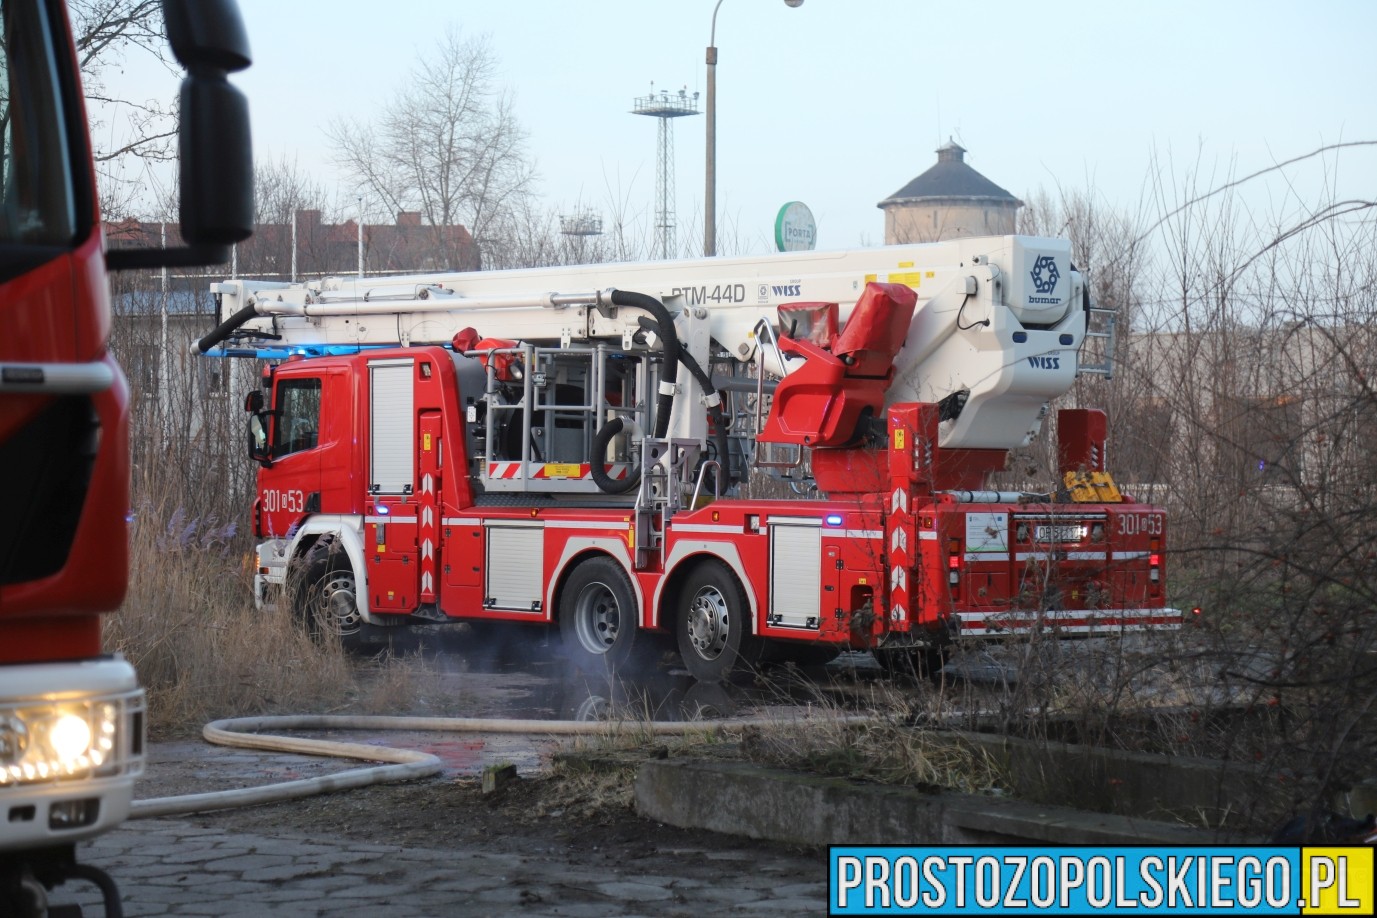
x,y
588,793
887,752
889,747
203,651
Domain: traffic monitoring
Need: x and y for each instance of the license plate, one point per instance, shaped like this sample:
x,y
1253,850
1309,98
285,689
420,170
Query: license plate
x,y
1059,533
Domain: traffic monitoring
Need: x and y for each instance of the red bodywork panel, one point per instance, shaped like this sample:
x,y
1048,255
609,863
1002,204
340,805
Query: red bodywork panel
x,y
988,568
821,403
60,313
876,329
1081,435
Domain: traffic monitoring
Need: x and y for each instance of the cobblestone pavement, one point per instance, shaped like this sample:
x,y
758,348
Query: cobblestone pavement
x,y
171,867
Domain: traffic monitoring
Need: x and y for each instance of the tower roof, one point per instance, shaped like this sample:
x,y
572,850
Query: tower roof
x,y
950,177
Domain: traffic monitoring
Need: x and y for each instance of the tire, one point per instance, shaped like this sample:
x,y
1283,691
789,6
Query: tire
x,y
598,616
713,625
327,606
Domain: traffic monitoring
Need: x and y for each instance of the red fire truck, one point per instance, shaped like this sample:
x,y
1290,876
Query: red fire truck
x,y
574,446
71,716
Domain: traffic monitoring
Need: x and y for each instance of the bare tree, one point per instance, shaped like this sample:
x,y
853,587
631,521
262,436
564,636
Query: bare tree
x,y
287,197
127,133
449,145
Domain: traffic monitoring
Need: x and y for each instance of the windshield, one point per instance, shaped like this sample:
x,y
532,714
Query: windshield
x,y
37,205
298,419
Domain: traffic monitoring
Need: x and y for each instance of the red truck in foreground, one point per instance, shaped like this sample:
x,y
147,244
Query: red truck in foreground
x,y
71,715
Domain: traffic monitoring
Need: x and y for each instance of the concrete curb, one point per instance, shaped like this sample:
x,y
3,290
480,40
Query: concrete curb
x,y
741,799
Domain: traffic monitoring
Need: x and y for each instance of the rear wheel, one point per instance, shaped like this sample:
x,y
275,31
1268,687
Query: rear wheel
x,y
713,625
597,615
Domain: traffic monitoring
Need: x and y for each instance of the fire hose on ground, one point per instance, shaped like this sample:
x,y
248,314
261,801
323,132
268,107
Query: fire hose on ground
x,y
399,764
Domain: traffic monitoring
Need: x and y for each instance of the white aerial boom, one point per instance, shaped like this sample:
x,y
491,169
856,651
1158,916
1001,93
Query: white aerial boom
x,y
996,332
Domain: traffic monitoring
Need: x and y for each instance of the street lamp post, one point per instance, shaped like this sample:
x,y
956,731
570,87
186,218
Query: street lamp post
x,y
710,195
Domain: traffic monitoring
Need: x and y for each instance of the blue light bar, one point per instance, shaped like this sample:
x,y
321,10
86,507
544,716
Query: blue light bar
x,y
834,520
282,353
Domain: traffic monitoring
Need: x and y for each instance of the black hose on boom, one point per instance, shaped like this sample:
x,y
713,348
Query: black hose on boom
x,y
225,329
605,482
719,418
664,402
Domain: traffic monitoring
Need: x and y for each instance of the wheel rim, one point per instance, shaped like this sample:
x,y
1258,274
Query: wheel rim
x,y
597,618
709,623
339,603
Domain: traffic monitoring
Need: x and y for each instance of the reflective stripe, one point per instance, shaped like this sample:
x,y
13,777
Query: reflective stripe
x,y
1103,627
862,533
792,521
1065,556
503,469
1034,516
540,471
389,519
587,524
704,527
1071,621
1075,613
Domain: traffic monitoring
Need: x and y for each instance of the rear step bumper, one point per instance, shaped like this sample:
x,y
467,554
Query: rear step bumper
x,y
1066,621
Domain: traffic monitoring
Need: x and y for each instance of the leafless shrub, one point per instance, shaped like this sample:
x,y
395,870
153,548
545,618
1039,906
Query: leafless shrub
x,y
201,649
1243,403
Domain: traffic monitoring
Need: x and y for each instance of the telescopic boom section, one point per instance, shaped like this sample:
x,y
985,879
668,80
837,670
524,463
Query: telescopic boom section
x,y
995,329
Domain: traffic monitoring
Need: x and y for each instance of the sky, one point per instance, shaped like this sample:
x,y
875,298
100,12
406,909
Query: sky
x,y
839,103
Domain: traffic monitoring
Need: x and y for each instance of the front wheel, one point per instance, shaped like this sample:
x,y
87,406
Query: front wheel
x,y
597,615
713,625
327,601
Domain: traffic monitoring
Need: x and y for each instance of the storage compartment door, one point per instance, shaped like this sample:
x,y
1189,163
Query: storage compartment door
x,y
795,573
392,422
515,568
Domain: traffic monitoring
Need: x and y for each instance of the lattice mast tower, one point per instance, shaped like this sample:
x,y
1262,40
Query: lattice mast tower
x,y
666,106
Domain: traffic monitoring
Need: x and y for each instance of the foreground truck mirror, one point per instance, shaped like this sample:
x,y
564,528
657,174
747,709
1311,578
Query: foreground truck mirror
x,y
215,147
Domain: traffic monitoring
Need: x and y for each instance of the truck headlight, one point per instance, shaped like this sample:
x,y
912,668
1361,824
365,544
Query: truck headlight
x,y
75,739
69,738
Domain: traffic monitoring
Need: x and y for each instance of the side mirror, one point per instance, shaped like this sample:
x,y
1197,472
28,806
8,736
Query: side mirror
x,y
216,163
260,450
207,33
